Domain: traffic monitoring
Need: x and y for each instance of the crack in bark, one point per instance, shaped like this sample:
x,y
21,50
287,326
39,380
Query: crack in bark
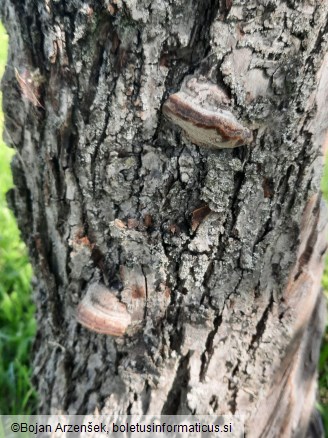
x,y
105,29
209,350
146,291
68,365
175,396
100,141
310,243
235,389
260,327
267,228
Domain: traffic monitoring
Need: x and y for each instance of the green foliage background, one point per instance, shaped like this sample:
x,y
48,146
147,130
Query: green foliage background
x,y
17,324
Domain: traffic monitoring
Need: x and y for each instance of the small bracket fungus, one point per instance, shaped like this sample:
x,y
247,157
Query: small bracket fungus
x,y
102,312
200,108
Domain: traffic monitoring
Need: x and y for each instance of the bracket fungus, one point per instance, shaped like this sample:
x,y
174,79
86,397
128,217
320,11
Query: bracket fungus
x,y
102,312
200,108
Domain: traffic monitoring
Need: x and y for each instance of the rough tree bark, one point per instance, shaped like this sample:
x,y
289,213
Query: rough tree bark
x,y
221,248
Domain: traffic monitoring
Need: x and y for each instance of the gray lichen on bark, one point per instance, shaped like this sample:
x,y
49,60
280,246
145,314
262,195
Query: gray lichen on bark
x,y
223,320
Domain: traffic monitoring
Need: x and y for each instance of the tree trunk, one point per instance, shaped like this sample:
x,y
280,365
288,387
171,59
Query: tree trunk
x,y
198,216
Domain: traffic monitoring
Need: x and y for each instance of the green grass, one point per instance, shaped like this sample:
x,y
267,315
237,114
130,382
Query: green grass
x,y
17,323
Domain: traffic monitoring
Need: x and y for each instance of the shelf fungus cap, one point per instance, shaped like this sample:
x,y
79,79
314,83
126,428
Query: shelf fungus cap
x,y
102,312
201,110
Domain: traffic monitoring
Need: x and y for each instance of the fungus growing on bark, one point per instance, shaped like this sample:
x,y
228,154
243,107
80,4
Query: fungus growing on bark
x,y
201,109
102,312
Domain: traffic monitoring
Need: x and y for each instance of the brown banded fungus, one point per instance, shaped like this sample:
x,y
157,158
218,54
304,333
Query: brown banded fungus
x,y
102,312
201,109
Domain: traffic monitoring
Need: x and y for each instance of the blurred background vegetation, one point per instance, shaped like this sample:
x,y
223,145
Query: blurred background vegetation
x,y
17,324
